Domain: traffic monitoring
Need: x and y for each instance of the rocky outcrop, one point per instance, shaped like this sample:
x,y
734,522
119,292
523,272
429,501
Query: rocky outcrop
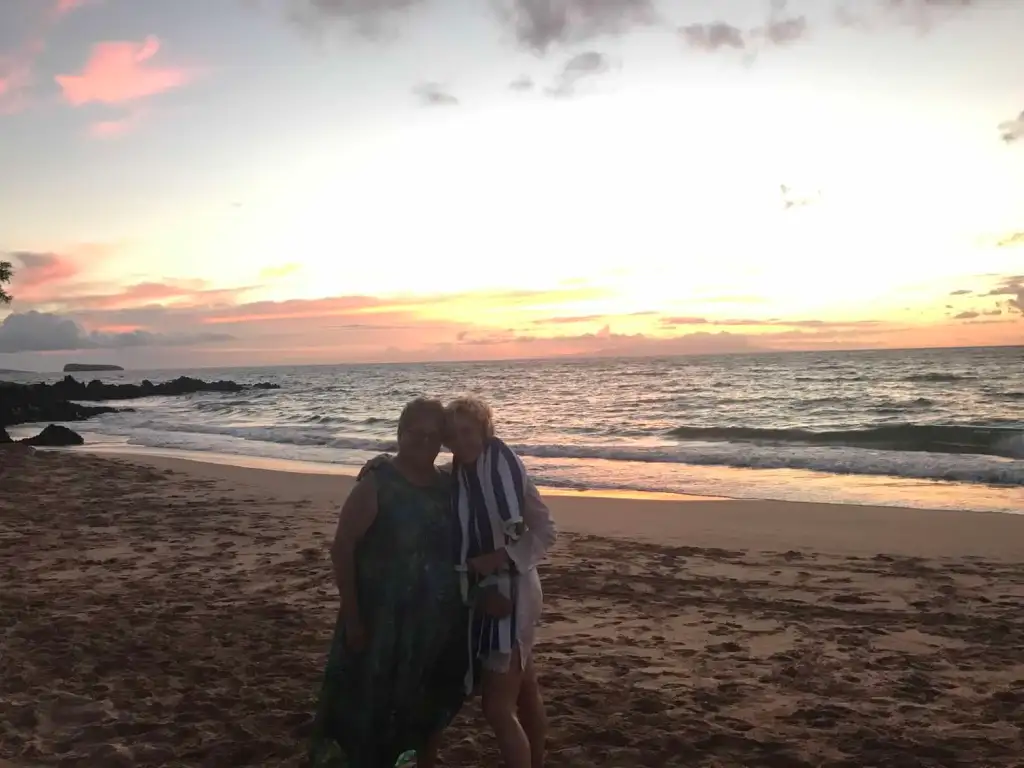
x,y
83,367
70,388
29,403
55,436
4,437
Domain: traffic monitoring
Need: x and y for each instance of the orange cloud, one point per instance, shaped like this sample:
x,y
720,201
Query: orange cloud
x,y
189,294
574,319
119,72
477,303
378,329
772,322
480,325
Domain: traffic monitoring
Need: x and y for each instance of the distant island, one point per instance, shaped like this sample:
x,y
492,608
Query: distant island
x,y
79,367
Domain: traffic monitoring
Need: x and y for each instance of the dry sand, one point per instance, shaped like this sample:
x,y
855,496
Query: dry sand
x,y
162,612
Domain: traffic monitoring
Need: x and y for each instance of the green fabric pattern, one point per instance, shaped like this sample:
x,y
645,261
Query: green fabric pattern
x,y
408,682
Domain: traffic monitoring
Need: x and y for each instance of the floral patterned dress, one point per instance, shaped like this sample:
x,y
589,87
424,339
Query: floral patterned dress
x,y
408,682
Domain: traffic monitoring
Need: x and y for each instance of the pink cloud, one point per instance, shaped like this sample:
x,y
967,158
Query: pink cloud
x,y
111,129
114,129
16,67
38,273
119,72
64,7
193,293
16,75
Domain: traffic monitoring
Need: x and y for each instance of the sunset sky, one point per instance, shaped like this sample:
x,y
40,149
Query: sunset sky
x,y
239,182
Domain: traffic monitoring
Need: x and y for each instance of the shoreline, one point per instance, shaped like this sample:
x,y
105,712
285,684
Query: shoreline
x,y
913,495
298,467
678,520
912,489
607,476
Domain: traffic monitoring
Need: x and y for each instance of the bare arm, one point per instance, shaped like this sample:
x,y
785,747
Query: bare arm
x,y
540,534
357,515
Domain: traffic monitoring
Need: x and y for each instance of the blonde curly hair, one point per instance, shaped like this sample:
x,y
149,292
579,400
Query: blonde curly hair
x,y
474,408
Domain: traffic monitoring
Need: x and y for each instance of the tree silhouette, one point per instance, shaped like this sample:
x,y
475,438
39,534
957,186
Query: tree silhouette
x,y
6,271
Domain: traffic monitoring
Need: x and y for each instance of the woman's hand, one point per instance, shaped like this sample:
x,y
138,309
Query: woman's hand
x,y
376,461
492,562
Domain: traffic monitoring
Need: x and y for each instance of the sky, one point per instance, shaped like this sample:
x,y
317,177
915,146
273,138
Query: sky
x,y
190,183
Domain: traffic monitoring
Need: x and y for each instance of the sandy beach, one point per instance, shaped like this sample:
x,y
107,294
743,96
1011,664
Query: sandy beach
x,y
157,611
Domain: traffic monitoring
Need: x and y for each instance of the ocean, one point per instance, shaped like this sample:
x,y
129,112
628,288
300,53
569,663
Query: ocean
x,y
921,428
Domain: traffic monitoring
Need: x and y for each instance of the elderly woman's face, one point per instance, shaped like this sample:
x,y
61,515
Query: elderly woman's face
x,y
420,440
465,438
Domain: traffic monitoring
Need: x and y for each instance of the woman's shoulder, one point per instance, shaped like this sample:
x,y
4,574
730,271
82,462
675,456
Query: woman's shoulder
x,y
499,447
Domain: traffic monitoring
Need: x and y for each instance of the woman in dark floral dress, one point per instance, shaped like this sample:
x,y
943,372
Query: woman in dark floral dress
x,y
397,664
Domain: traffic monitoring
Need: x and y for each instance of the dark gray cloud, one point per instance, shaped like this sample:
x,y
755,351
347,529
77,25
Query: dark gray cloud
x,y
540,24
968,315
718,35
1012,287
578,68
782,28
521,84
434,95
33,259
46,332
925,15
785,31
371,18
713,36
792,199
1012,130
536,24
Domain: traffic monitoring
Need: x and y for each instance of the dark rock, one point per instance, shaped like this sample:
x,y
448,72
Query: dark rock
x,y
29,403
82,367
55,436
71,389
4,437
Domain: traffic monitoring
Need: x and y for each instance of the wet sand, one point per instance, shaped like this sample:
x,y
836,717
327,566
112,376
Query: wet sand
x,y
162,612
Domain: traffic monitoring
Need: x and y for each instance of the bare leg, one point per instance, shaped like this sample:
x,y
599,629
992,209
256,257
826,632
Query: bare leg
x,y
532,715
500,697
427,757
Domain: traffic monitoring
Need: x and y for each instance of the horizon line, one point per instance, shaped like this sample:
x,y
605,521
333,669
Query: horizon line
x,y
550,358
